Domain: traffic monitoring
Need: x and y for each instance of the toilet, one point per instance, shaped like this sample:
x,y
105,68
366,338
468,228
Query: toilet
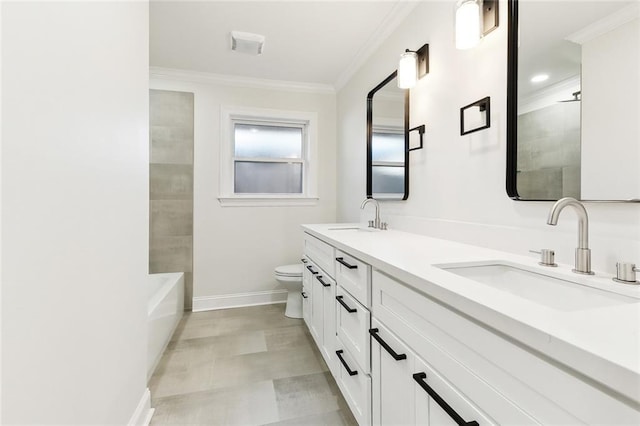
x,y
290,276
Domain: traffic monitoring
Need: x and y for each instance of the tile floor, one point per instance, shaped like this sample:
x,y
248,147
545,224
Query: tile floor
x,y
245,366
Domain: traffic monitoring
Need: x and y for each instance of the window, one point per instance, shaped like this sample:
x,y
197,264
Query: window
x,y
267,157
387,161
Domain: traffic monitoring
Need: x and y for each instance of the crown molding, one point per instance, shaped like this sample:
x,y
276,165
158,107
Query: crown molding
x,y
160,73
606,24
400,11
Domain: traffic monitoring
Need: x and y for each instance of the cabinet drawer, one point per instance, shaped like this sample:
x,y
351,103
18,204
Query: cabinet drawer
x,y
354,276
429,385
509,383
321,253
352,324
354,384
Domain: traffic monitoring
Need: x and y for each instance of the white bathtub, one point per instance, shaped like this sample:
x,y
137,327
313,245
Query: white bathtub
x,y
165,309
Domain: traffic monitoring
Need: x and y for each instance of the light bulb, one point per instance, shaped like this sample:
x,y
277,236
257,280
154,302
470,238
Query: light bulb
x,y
408,70
467,24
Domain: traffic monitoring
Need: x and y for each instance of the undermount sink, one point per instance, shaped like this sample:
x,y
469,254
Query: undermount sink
x,y
554,292
353,228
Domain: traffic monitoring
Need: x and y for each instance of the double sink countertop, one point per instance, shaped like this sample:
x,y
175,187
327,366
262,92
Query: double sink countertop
x,y
600,340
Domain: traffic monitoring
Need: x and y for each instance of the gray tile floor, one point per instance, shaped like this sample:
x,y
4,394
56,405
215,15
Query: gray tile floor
x,y
245,366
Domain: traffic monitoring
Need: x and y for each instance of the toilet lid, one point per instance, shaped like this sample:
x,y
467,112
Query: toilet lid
x,y
290,270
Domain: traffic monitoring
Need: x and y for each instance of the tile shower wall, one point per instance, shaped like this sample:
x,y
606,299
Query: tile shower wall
x,y
171,185
549,152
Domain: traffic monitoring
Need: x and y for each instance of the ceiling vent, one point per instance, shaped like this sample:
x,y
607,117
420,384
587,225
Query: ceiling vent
x,y
248,43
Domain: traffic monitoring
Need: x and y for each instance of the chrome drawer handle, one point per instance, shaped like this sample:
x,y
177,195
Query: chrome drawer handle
x,y
420,379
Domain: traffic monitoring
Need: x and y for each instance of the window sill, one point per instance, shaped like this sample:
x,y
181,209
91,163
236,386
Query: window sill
x,y
267,201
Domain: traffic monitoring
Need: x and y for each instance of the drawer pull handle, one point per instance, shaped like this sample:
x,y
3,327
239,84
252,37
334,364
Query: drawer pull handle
x,y
374,333
420,379
310,268
319,278
344,305
304,295
303,260
341,261
344,363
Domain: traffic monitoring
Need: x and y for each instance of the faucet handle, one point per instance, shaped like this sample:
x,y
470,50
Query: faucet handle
x,y
626,273
383,226
547,257
371,224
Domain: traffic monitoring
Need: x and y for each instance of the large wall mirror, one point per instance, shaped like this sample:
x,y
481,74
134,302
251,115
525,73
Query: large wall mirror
x,y
387,141
573,100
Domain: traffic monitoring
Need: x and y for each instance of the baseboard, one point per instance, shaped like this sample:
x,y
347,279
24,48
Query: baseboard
x,y
144,412
209,303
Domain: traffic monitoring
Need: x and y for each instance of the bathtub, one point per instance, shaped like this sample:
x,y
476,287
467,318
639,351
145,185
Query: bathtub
x,y
164,309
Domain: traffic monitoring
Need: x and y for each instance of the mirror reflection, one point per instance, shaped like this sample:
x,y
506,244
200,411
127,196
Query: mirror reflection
x,y
387,171
577,102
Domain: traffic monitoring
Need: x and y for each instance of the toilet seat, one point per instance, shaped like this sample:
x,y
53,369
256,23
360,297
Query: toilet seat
x,y
289,270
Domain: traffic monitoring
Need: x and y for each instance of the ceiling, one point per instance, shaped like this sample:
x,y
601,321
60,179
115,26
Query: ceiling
x,y
545,30
318,42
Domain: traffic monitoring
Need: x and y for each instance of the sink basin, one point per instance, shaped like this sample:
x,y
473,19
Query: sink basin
x,y
554,292
353,228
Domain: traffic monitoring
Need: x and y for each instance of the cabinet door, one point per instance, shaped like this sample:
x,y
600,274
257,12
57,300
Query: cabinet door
x,y
317,309
439,403
329,317
391,375
306,295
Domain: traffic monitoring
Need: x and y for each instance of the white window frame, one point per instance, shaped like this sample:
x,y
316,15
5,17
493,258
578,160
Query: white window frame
x,y
306,120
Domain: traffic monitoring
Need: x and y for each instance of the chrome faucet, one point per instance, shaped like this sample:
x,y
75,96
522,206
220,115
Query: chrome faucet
x,y
376,223
583,253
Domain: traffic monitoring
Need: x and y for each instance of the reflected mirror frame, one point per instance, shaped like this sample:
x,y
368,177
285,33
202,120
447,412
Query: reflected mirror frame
x,y
512,101
373,91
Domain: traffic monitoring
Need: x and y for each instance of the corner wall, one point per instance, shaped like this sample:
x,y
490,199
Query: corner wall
x,y
235,249
74,212
171,185
457,183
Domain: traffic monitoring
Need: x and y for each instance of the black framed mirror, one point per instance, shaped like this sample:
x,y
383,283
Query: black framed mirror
x,y
388,141
572,100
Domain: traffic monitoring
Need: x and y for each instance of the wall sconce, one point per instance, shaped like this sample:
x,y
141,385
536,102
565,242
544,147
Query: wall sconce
x,y
474,19
413,66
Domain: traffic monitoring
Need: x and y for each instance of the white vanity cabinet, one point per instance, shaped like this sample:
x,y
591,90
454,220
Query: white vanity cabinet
x,y
407,391
353,319
497,377
319,293
402,356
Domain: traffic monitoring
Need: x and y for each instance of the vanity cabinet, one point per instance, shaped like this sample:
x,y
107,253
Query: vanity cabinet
x,y
353,320
319,295
408,391
402,356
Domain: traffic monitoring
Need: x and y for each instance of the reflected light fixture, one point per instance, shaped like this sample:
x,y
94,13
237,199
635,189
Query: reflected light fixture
x,y
474,19
539,78
413,66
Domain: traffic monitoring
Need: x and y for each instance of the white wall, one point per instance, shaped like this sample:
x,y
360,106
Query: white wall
x,y
610,113
457,187
74,211
236,248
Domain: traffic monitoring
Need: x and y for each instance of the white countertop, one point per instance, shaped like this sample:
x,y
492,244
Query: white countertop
x,y
602,343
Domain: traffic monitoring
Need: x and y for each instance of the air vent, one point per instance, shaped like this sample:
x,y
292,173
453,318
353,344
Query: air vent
x,y
251,44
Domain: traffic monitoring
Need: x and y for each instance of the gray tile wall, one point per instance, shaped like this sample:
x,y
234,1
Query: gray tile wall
x,y
171,185
549,152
